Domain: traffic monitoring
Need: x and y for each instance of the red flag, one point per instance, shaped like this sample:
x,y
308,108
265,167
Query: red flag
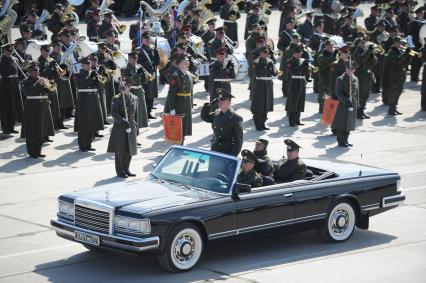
x,y
329,110
172,128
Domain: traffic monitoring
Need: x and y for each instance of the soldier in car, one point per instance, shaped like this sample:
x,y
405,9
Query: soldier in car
x,y
264,165
248,175
291,168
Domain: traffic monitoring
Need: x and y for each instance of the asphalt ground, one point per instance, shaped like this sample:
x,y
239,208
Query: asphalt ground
x,y
392,250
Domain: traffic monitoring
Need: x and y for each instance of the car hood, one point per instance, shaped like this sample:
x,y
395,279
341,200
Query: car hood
x,y
142,195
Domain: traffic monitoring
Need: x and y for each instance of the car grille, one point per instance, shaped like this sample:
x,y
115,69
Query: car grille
x,y
92,219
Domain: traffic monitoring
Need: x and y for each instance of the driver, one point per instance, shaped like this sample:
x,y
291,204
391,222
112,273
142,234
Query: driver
x,y
292,168
247,174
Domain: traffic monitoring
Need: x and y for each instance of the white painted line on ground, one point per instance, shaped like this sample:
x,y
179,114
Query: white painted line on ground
x,y
37,251
414,188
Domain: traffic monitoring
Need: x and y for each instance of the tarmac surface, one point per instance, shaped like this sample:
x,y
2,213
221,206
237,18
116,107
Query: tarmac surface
x,y
392,250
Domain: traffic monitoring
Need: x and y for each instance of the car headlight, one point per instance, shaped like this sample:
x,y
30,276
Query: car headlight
x,y
398,186
133,225
66,209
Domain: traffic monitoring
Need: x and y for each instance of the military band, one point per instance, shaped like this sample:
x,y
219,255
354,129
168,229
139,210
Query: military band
x,y
92,79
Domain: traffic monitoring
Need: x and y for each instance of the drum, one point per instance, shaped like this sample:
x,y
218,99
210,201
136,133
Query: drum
x,y
197,43
33,48
163,43
241,65
203,69
85,48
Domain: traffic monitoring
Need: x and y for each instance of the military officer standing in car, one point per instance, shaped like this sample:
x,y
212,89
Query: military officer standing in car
x,y
247,174
123,134
37,122
291,168
221,73
226,123
179,97
89,119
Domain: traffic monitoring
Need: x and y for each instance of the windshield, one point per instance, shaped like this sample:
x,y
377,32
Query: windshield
x,y
198,169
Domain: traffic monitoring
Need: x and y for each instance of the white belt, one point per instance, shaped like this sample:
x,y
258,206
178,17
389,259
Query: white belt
x,y
229,21
12,76
264,78
88,90
222,80
136,87
37,97
298,77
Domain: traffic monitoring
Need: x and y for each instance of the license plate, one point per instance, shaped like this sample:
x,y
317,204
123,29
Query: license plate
x,y
86,238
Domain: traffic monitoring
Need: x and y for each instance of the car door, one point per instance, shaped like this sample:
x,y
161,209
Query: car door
x,y
264,208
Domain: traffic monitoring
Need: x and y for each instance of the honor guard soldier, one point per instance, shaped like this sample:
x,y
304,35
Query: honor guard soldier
x,y
347,93
230,13
247,174
149,59
367,61
10,95
325,60
37,123
89,119
179,97
283,43
262,89
226,123
264,165
136,74
414,30
396,62
222,72
291,168
298,73
123,134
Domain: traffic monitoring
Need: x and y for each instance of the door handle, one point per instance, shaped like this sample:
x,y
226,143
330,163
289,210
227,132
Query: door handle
x,y
288,195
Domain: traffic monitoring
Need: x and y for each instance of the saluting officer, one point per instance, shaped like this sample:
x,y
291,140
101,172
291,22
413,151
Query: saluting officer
x,y
226,123
262,90
221,73
179,97
89,119
298,73
247,174
230,13
123,134
37,122
347,92
291,168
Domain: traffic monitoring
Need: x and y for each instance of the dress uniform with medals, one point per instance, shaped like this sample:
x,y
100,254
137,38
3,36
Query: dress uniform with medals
x,y
123,134
221,75
89,117
291,168
227,125
37,122
247,174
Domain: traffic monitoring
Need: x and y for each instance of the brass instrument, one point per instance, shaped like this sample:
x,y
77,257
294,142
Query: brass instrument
x,y
377,48
275,69
17,63
382,37
412,53
117,26
61,72
146,73
312,68
8,17
66,15
262,15
49,85
98,77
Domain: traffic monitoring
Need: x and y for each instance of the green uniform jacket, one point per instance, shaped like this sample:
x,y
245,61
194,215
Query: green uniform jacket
x,y
47,72
325,60
250,20
251,178
366,62
289,170
120,141
264,165
345,120
220,72
262,90
137,90
149,58
396,63
296,92
180,83
231,28
337,69
66,100
227,129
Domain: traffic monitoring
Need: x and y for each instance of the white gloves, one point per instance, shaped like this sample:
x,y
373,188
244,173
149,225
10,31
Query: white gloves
x,y
128,130
173,112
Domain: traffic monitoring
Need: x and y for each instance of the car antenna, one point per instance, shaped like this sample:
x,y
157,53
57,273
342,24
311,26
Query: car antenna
x,y
360,168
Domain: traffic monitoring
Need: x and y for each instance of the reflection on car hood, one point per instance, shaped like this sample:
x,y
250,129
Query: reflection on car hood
x,y
143,195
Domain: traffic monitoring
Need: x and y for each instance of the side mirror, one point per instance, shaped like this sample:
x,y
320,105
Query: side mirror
x,y
241,189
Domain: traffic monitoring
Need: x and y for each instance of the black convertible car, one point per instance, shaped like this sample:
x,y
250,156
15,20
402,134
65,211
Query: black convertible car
x,y
192,197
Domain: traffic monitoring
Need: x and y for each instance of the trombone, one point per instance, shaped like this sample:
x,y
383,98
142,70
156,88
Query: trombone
x,y
146,73
119,28
21,60
99,77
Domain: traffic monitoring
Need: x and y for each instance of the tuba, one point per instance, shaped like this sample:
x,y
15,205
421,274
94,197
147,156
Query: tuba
x,y
8,17
43,17
182,6
159,12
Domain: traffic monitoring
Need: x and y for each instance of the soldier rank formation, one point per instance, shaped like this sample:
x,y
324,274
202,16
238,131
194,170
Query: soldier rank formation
x,y
45,81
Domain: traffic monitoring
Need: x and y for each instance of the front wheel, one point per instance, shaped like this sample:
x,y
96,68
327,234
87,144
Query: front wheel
x,y
340,223
183,249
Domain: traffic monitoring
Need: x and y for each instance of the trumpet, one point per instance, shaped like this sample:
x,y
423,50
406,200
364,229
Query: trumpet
x,y
274,69
146,73
377,48
411,52
98,77
49,85
61,72
312,68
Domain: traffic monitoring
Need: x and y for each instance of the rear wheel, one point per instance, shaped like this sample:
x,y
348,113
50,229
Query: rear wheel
x,y
340,223
183,249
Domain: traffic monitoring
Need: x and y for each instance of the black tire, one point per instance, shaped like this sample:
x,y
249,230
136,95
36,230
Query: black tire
x,y
340,222
183,249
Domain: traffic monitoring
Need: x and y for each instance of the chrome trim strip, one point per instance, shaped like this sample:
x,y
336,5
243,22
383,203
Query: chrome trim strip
x,y
394,200
267,226
371,206
98,206
106,242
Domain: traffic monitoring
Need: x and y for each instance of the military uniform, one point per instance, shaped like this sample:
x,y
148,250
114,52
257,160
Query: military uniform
x,y
227,129
89,119
325,60
262,91
264,165
220,77
289,170
179,98
250,21
250,177
416,63
229,14
345,117
423,87
306,30
37,121
123,144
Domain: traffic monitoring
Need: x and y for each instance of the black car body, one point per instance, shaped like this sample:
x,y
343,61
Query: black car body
x,y
197,189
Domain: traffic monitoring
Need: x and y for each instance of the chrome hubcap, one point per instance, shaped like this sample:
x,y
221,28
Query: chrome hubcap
x,y
340,220
184,248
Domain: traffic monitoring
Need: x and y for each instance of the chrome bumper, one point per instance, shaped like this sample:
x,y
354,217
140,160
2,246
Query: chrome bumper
x,y
394,200
119,241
